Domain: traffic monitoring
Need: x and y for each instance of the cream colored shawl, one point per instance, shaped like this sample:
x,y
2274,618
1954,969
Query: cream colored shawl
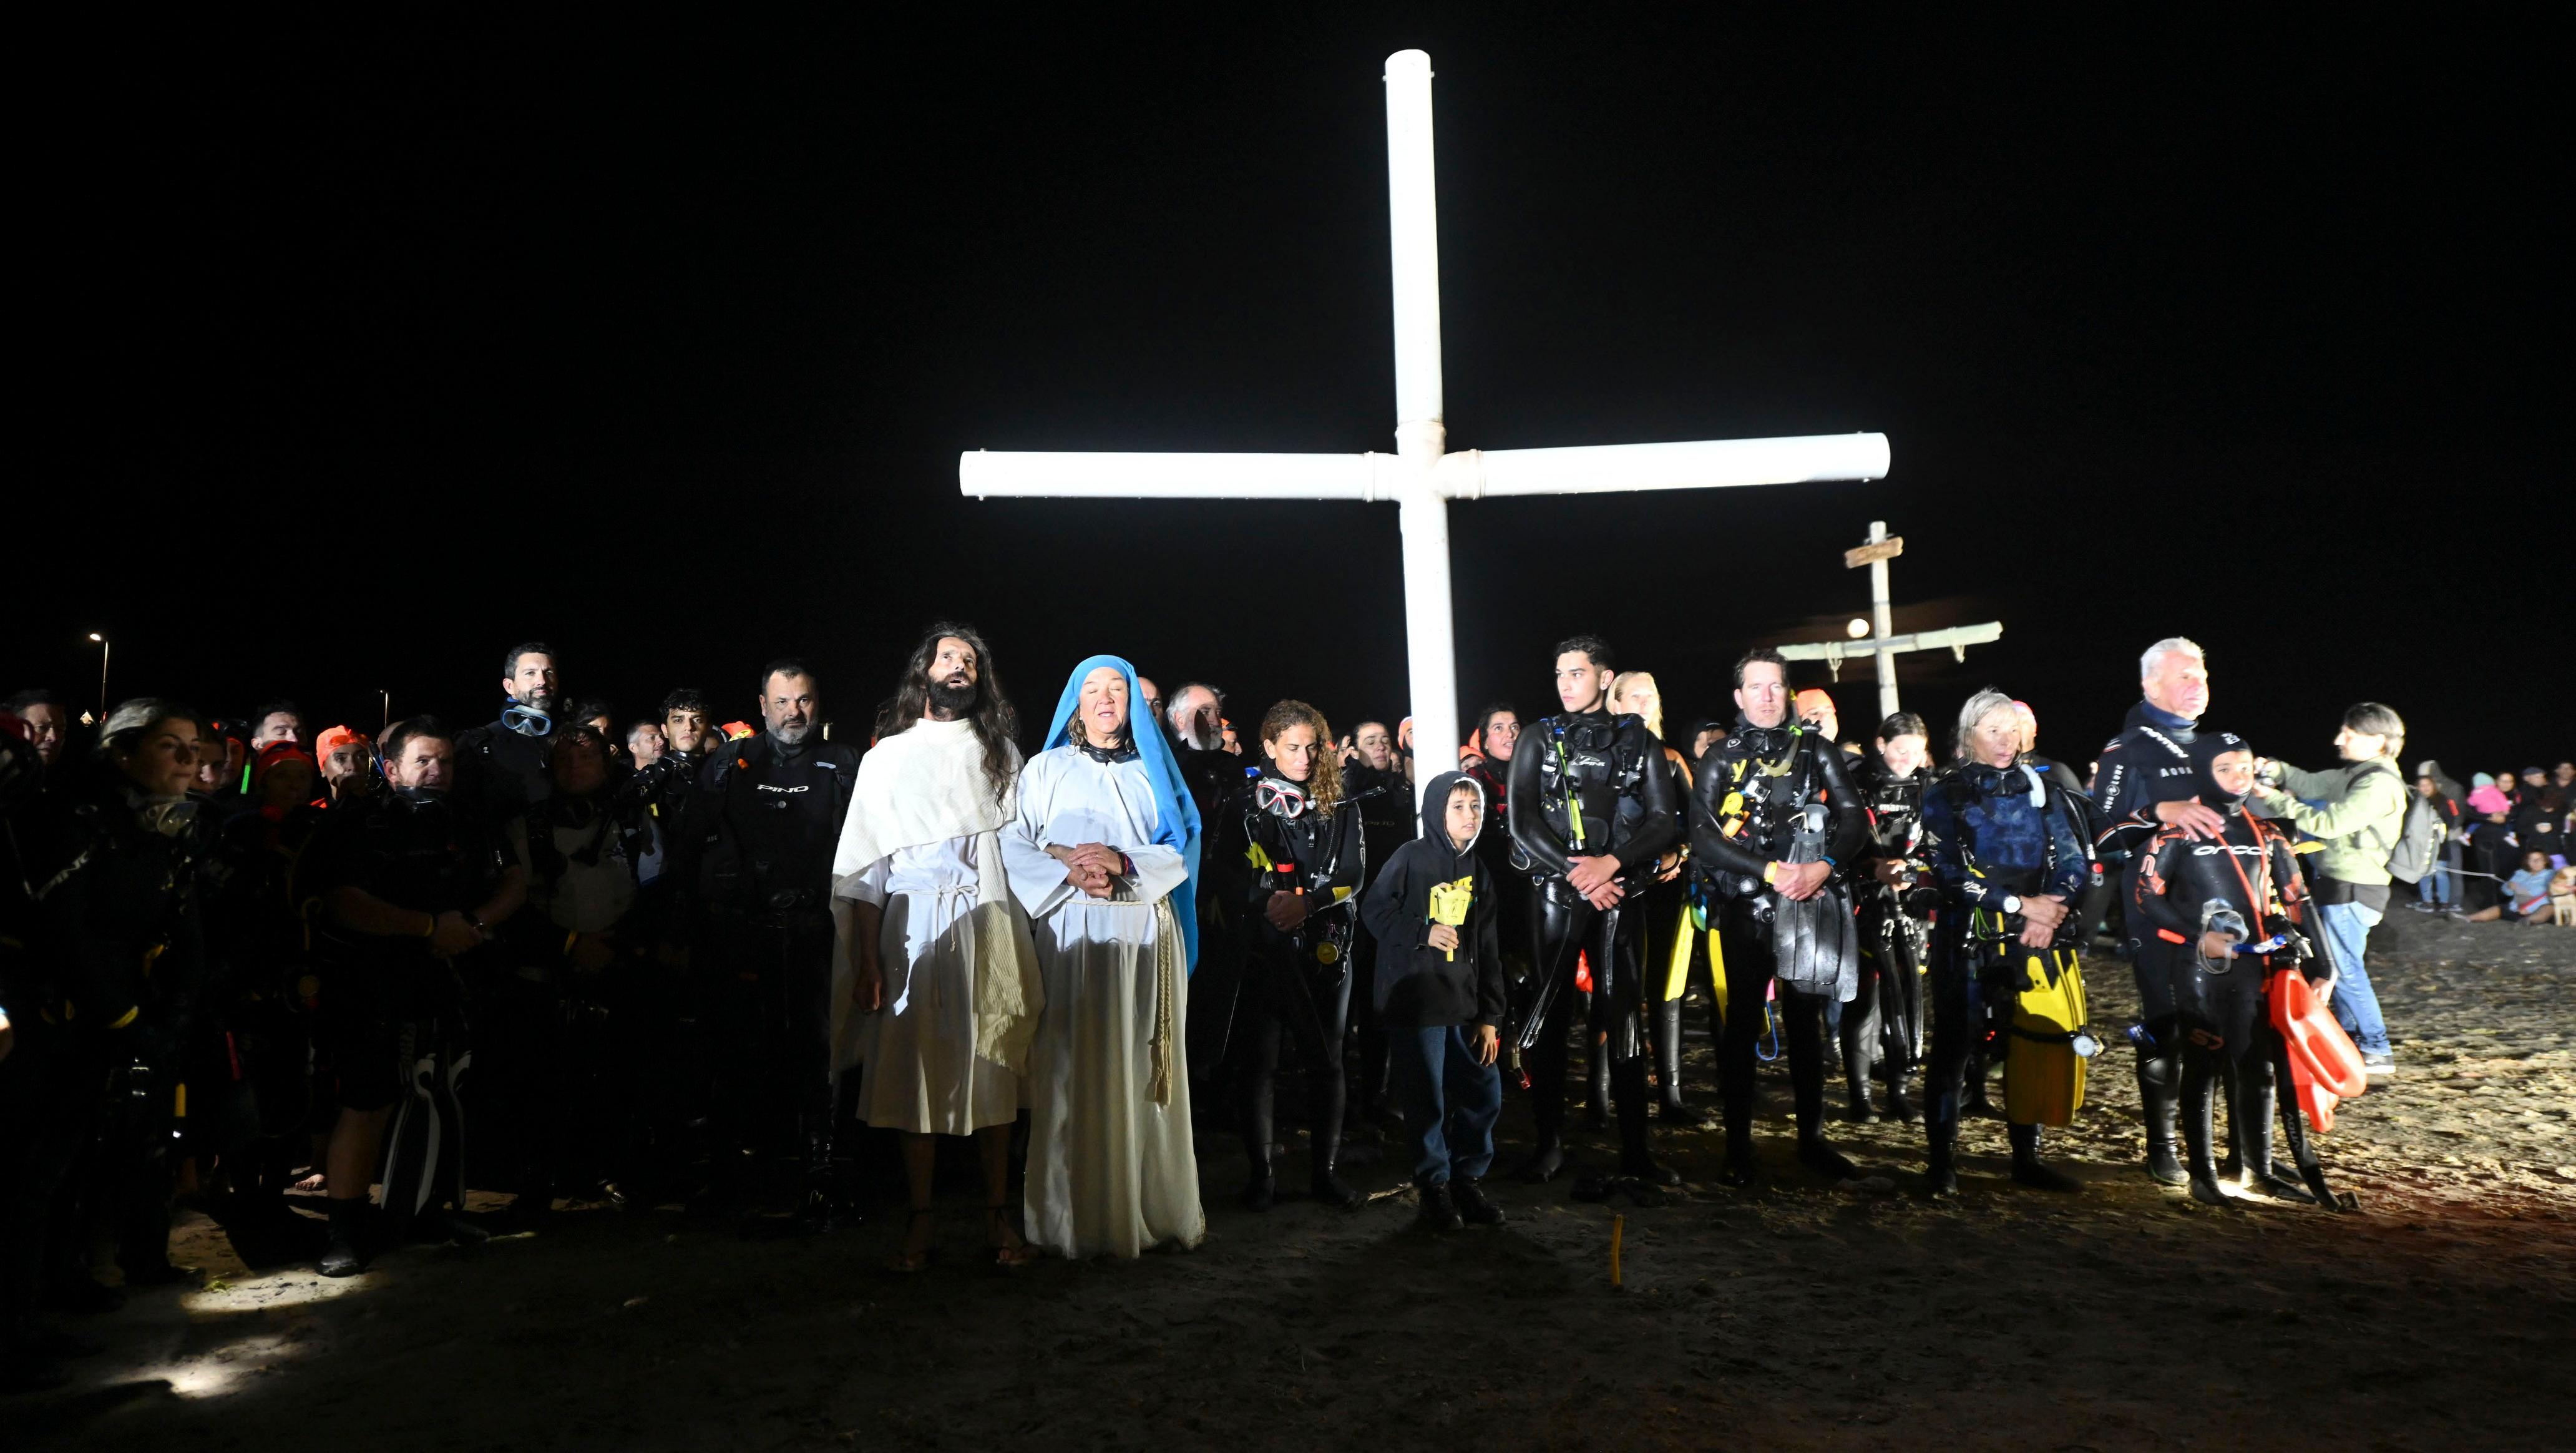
x,y
926,785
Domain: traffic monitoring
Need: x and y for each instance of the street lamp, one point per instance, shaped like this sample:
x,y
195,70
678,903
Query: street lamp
x,y
104,646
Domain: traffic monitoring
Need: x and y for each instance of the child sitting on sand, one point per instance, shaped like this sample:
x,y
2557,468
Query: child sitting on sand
x,y
2526,893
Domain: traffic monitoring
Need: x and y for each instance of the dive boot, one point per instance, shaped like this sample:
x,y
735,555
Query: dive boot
x,y
1325,1182
2029,1170
1596,1098
2159,1099
2198,1102
1940,1164
2249,1124
345,1255
1633,1158
1261,1190
1819,1156
1546,1162
1668,1061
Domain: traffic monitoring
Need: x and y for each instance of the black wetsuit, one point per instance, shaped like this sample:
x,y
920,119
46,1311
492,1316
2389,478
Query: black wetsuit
x,y
753,865
1384,801
2147,763
1882,1029
102,970
500,770
1753,788
2217,1023
1992,835
1588,784
1295,983
393,1016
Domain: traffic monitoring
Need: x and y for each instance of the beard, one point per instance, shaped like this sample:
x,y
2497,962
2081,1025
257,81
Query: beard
x,y
1203,736
953,698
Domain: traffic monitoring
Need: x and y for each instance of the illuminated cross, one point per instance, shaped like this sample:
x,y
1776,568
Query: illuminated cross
x,y
1421,476
1875,552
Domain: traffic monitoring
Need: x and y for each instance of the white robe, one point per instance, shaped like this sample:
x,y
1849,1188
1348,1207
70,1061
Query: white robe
x,y
921,1072
1110,1170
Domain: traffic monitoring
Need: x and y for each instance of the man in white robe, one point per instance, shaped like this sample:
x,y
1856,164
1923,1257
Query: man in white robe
x,y
939,958
1102,855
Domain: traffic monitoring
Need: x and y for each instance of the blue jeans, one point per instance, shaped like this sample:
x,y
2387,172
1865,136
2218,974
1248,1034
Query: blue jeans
x,y
2437,887
2356,1004
1450,1102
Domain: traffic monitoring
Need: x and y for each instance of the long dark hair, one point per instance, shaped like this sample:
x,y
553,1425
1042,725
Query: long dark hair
x,y
994,721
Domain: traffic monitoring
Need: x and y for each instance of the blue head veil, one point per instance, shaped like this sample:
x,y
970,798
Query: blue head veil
x,y
1176,816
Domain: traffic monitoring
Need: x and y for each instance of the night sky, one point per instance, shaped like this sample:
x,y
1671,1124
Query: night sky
x,y
359,355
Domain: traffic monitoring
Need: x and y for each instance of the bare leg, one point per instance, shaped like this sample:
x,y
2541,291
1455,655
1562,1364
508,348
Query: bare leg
x,y
993,1142
920,1156
349,1167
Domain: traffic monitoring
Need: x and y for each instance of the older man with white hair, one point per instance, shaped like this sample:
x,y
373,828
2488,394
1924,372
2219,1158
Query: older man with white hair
x,y
2146,782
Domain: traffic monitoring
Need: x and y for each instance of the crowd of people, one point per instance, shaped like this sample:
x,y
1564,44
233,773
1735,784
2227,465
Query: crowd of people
x,y
262,965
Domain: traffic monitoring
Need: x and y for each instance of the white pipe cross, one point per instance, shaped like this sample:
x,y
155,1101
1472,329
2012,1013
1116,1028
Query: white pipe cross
x,y
1422,476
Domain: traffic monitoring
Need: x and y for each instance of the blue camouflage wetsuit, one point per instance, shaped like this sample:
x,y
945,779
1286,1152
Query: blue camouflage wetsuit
x,y
1986,839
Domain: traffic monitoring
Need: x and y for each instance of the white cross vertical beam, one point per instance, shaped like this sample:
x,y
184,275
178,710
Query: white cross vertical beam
x,y
1882,615
1421,433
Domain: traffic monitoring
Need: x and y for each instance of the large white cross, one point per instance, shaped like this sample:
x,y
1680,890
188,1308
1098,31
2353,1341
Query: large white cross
x,y
1421,476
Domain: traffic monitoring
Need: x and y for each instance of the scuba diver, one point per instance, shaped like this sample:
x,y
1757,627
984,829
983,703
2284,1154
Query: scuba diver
x,y
251,1078
1772,816
1592,809
1670,935
2142,785
751,878
2008,850
102,966
400,886
503,766
1293,859
1882,1029
1374,783
2223,910
581,1048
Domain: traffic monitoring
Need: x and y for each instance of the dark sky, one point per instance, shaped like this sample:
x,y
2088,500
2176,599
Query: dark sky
x,y
359,354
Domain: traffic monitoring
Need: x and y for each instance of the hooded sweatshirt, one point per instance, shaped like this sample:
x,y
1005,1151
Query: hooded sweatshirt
x,y
1418,986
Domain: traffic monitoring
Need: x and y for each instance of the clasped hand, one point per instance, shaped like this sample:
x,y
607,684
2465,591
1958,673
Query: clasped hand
x,y
1092,867
2040,916
1798,882
1596,879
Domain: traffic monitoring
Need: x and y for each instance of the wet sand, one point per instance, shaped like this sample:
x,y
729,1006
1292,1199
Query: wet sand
x,y
2441,1315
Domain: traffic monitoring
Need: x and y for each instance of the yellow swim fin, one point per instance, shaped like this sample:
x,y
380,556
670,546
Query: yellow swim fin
x,y
2043,1072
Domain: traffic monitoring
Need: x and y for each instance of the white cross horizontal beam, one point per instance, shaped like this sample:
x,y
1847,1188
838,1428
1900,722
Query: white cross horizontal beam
x,y
1467,474
1955,639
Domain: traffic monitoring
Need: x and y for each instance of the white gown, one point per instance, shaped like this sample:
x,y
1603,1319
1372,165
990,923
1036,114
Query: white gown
x,y
921,1072
1110,1170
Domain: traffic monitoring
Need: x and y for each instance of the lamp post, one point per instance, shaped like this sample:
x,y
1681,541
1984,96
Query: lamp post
x,y
104,646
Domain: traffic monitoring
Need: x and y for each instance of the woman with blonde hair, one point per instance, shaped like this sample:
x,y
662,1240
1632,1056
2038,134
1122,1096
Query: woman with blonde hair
x,y
1635,693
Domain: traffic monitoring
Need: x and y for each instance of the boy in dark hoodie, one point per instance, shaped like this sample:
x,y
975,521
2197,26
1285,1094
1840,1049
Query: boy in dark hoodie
x,y
1440,996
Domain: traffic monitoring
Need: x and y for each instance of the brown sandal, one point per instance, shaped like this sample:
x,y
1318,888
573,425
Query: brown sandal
x,y
911,1261
1016,1251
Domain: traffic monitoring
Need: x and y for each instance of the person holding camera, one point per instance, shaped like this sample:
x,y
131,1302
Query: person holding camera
x,y
2359,809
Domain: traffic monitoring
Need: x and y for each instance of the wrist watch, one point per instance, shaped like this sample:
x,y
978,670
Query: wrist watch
x,y
2012,903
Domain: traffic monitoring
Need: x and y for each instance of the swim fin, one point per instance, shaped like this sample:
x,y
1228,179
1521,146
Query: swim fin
x,y
2045,1053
